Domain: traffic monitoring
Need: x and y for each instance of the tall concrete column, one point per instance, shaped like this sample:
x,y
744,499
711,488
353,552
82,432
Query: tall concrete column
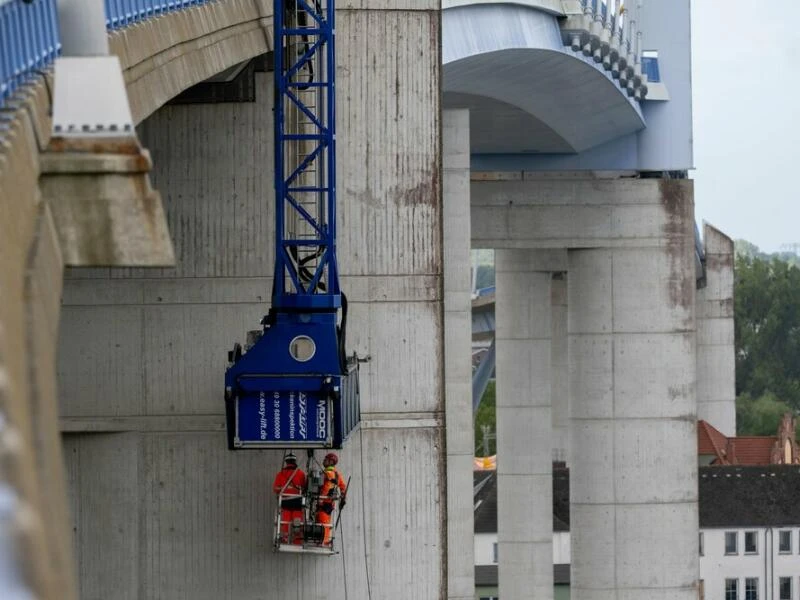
x,y
559,389
716,358
524,422
161,507
633,487
457,351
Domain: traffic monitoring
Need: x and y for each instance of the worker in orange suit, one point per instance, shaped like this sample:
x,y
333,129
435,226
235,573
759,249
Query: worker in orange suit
x,y
290,483
333,486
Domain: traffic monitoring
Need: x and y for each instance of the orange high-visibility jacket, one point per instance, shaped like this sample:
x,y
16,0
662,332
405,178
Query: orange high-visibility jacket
x,y
295,477
333,479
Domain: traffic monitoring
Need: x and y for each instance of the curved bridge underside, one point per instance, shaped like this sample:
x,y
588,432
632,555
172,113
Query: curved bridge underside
x,y
528,93
162,57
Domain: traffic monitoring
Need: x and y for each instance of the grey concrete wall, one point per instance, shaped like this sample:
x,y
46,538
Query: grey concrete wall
x,y
716,352
524,425
458,356
157,498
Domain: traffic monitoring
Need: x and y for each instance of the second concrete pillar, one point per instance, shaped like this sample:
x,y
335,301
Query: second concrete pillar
x,y
633,487
524,423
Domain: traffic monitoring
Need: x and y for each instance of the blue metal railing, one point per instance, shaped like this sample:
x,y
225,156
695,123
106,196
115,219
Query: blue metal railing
x,y
28,41
29,38
121,13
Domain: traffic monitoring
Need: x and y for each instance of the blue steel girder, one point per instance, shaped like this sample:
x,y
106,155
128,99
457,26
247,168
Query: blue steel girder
x,y
306,271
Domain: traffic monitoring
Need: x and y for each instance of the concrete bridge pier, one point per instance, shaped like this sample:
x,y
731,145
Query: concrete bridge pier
x,y
458,355
716,358
632,383
633,511
524,423
633,487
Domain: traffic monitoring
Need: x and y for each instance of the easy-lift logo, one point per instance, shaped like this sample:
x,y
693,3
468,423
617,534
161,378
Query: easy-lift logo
x,y
302,416
262,416
322,419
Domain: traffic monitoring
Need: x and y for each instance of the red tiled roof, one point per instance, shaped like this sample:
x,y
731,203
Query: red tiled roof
x,y
747,450
754,450
710,440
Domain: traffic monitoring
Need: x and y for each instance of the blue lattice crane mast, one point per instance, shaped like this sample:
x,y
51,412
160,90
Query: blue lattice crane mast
x,y
293,384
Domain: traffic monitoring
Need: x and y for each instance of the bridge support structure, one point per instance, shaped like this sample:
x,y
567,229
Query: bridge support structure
x,y
716,359
631,321
457,365
524,422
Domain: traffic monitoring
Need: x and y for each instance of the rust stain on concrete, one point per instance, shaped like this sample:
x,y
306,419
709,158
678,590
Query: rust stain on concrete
x,y
427,192
680,240
121,145
719,261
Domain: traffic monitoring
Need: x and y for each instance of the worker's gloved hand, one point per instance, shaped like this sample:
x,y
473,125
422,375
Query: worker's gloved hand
x,y
342,503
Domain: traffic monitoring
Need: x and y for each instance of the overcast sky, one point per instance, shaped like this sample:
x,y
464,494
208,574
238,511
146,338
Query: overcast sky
x,y
746,81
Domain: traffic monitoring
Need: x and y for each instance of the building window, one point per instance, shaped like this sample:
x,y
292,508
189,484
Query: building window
x,y
731,589
731,546
700,543
785,588
784,542
750,542
494,552
751,588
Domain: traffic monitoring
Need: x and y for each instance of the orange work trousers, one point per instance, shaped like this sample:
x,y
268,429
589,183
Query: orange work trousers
x,y
287,516
325,519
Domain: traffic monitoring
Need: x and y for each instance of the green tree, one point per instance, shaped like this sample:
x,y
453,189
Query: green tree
x,y
745,248
486,416
767,330
759,416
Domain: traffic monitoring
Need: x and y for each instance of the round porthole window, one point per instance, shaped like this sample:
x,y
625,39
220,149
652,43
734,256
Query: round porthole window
x,y
302,348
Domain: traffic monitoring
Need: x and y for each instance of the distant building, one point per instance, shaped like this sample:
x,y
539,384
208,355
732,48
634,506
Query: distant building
x,y
749,538
486,553
714,448
750,533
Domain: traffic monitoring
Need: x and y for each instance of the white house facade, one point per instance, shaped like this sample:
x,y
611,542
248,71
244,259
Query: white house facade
x,y
749,540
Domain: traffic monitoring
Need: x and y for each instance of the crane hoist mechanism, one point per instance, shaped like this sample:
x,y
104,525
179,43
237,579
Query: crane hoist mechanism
x,y
292,385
